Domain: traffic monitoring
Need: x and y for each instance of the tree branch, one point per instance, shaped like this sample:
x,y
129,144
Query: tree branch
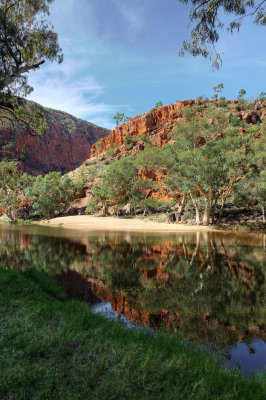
x,y
10,79
28,125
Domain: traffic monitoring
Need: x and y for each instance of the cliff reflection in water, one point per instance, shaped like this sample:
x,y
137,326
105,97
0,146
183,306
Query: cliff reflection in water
x,y
207,286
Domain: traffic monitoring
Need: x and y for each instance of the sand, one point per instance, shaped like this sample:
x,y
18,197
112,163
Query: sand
x,y
91,223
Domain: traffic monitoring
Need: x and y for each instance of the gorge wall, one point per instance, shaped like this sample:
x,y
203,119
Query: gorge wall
x,y
66,144
157,123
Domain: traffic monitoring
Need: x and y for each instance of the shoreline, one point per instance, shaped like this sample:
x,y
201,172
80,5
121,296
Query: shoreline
x,y
89,222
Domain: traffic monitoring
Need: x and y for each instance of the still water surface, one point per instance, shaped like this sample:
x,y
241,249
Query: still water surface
x,y
207,286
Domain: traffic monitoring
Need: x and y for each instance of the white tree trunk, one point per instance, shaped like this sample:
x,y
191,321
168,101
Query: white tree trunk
x,y
263,213
195,202
207,212
10,214
181,207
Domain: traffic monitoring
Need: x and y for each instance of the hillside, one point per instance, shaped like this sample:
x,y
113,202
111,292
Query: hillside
x,y
188,155
158,123
63,147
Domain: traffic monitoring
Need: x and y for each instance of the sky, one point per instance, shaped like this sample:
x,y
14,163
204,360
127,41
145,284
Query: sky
x,y
122,56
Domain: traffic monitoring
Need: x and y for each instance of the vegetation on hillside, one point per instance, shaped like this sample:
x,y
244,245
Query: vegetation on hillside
x,y
212,159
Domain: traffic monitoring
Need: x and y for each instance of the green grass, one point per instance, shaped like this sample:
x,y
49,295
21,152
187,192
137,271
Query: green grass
x,y
55,348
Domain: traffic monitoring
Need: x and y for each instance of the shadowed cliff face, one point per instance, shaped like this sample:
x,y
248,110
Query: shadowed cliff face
x,y
66,144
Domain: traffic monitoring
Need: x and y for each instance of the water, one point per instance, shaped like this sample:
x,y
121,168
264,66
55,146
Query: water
x,y
209,287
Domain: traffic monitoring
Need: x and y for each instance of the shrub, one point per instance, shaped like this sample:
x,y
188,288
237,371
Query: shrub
x,y
51,194
92,206
128,142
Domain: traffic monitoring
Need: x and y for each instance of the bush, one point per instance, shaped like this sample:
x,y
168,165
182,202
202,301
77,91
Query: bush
x,y
151,205
99,145
128,142
235,122
51,194
92,206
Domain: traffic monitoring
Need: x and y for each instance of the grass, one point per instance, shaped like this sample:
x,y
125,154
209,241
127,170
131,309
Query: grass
x,y
55,348
18,221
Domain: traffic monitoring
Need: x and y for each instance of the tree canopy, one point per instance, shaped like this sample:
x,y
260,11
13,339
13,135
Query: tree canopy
x,y
208,18
26,41
51,194
12,185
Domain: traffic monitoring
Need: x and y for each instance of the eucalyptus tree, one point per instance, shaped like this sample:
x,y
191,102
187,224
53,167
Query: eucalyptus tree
x,y
119,118
27,40
121,184
210,156
13,184
51,194
208,19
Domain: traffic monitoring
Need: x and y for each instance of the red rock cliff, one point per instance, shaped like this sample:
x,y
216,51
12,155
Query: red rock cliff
x,y
64,147
158,122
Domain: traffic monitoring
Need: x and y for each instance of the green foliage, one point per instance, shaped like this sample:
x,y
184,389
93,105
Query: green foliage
x,y
262,96
158,104
99,145
234,121
12,185
152,158
146,139
120,117
241,94
54,345
26,41
151,205
128,142
202,164
51,194
111,151
120,185
209,166
205,17
217,89
92,205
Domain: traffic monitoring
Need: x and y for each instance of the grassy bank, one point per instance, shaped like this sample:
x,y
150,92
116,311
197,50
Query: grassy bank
x,y
55,348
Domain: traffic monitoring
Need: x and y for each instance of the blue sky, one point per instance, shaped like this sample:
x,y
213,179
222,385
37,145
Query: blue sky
x,y
122,55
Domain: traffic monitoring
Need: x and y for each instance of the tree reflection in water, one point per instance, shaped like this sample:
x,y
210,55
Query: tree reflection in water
x,y
207,286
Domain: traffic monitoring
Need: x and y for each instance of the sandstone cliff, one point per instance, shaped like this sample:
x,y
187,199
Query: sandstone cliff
x,y
66,144
155,128
157,123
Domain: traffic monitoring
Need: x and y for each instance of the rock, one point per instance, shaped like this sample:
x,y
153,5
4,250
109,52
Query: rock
x,y
64,147
25,213
156,120
171,218
249,116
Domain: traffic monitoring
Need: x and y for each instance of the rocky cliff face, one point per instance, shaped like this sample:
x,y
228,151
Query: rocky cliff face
x,y
155,128
157,123
66,144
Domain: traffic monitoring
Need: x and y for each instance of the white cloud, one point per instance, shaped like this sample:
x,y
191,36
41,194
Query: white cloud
x,y
133,14
65,87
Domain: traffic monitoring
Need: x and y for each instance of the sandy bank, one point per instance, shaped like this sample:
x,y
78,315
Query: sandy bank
x,y
89,223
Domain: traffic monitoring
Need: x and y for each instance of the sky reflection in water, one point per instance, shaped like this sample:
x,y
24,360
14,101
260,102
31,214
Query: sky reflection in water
x,y
209,287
